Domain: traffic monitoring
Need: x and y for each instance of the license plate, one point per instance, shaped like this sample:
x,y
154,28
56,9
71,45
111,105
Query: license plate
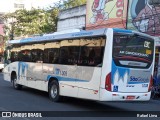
x,y
130,97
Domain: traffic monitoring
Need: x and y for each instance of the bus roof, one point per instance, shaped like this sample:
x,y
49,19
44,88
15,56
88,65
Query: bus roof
x,y
53,37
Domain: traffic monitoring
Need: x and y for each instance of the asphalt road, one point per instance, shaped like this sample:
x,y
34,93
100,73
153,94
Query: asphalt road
x,y
33,100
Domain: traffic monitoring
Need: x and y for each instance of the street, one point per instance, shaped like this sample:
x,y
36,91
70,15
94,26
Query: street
x,y
33,100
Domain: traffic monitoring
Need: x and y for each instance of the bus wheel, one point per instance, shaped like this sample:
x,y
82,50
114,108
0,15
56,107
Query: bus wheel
x,y
54,91
15,84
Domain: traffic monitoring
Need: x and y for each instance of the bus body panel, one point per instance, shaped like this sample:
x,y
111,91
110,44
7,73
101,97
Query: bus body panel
x,y
6,73
130,80
25,75
107,59
12,67
88,82
76,81
114,96
85,83
66,76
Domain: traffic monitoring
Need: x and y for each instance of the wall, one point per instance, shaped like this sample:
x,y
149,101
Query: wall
x,y
73,18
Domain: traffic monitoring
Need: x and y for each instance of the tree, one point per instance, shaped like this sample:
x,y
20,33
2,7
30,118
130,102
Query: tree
x,y
74,3
35,21
71,3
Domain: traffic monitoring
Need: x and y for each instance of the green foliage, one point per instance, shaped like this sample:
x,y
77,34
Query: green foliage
x,y
65,4
35,21
73,3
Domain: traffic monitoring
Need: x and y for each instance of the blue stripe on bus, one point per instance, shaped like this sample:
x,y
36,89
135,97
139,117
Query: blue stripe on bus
x,y
138,82
122,30
60,78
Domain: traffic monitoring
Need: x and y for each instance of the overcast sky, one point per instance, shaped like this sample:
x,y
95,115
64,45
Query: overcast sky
x,y
45,3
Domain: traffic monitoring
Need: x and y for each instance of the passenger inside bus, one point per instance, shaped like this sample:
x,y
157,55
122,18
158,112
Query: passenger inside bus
x,y
83,58
91,58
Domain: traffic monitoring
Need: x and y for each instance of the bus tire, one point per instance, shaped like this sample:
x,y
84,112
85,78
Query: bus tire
x,y
54,91
14,82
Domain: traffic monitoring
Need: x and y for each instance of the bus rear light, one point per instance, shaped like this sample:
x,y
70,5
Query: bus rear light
x,y
108,82
95,91
150,84
145,94
115,95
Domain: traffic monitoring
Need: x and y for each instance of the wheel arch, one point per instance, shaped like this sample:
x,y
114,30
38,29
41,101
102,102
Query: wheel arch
x,y
13,74
52,79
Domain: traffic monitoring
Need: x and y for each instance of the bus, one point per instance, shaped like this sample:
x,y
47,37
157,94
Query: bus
x,y
156,76
108,64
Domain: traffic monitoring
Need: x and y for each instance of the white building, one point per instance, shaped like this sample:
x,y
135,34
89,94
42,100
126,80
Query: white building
x,y
73,18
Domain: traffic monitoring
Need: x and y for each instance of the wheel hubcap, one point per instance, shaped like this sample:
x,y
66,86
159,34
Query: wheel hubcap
x,y
54,91
15,83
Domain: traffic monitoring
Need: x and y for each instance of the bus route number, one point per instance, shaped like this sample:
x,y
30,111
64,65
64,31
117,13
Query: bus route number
x,y
60,72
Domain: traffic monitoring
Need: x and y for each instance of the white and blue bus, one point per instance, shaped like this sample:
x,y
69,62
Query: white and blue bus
x,y
103,65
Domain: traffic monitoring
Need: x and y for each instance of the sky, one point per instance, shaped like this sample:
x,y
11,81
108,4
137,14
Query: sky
x,y
8,5
45,3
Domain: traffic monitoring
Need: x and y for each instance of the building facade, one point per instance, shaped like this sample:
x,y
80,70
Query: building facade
x,y
73,18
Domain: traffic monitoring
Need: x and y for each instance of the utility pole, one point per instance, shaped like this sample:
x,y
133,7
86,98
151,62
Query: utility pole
x,y
12,32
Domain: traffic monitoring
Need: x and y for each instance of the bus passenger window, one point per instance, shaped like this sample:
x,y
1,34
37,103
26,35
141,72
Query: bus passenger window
x,y
83,58
91,60
63,56
37,55
26,56
91,51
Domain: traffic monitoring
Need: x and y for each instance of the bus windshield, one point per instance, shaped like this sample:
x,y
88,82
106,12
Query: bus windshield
x,y
133,51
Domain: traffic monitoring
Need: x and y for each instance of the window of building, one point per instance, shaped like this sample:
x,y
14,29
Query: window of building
x,y
19,6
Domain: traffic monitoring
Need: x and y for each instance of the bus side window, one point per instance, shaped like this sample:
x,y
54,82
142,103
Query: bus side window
x,y
37,55
63,56
56,56
26,56
83,58
45,56
20,56
91,52
51,52
91,57
73,54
